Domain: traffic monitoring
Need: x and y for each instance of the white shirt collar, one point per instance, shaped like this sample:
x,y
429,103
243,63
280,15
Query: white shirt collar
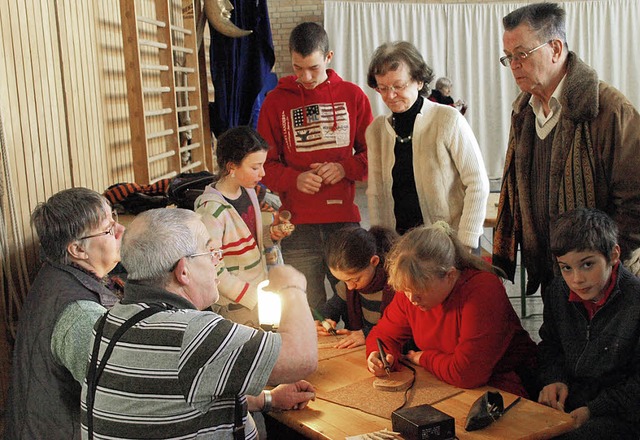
x,y
544,124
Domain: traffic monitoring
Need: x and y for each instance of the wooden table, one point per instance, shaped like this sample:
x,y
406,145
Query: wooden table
x,y
491,215
323,419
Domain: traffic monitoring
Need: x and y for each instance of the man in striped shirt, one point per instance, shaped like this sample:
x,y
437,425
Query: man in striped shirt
x,y
185,373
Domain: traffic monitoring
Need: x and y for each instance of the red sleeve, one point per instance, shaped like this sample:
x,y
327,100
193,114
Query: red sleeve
x,y
485,333
355,167
393,329
278,177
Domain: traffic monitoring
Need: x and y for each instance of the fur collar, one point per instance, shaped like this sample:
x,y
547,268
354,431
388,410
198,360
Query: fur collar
x,y
580,98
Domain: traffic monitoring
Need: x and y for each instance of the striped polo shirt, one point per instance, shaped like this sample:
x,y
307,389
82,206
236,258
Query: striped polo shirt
x,y
175,375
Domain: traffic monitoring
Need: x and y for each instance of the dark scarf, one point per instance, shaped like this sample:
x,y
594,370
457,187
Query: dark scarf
x,y
378,283
112,282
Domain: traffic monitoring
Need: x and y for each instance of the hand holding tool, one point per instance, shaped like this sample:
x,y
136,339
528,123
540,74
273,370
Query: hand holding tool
x,y
383,356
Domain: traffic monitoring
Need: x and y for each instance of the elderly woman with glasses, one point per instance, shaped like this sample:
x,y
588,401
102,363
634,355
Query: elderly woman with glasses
x,y
80,239
424,161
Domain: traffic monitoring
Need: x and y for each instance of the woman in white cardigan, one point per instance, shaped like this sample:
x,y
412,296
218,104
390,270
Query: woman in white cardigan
x,y
425,164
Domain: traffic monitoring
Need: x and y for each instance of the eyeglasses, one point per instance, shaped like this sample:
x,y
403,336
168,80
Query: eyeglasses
x,y
520,56
110,231
396,89
216,255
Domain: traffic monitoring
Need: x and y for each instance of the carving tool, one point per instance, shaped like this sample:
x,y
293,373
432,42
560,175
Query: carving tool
x,y
383,356
326,324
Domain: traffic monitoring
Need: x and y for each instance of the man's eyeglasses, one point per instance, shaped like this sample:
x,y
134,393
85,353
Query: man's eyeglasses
x,y
396,89
215,254
110,231
520,56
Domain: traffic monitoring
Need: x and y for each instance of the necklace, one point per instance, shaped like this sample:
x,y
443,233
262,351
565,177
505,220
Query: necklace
x,y
402,140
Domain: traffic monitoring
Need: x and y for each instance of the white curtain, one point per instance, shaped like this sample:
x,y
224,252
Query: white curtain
x,y
464,43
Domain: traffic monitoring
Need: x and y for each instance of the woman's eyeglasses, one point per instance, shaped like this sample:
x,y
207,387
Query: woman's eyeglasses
x,y
395,89
110,231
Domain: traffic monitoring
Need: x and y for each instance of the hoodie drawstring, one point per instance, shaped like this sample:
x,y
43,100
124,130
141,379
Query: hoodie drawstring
x,y
333,106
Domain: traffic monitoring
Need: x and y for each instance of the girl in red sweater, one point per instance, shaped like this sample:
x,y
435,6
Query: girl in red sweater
x,y
456,310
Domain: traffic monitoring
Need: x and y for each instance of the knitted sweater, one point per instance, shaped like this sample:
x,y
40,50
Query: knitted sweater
x,y
243,265
450,177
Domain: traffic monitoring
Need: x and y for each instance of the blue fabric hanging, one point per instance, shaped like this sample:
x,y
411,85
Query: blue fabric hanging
x,y
240,66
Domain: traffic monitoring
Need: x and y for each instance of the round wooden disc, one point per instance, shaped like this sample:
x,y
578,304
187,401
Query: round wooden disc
x,y
396,381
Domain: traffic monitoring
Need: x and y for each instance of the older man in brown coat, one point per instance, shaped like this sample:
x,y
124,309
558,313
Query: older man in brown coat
x,y
574,142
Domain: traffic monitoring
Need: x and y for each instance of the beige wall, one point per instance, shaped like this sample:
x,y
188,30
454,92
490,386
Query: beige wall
x,y
65,123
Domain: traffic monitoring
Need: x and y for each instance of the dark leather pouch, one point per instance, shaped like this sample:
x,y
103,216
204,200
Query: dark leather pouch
x,y
484,411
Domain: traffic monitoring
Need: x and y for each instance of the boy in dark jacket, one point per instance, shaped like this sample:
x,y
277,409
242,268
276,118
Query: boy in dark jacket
x,y
590,348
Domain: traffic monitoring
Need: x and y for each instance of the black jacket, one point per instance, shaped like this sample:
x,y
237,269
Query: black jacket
x,y
599,359
44,398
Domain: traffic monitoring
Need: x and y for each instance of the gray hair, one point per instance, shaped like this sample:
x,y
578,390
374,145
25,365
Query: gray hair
x,y
547,20
443,83
65,217
155,241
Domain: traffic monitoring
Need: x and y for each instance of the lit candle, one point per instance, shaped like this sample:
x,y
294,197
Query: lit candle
x,y
269,307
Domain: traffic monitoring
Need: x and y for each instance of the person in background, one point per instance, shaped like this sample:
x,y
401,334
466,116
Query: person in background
x,y
231,212
178,371
442,95
356,257
80,239
457,311
574,142
590,347
425,164
315,123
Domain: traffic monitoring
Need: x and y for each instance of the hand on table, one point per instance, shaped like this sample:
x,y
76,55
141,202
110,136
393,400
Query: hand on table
x,y
355,338
554,395
292,395
580,415
323,331
413,357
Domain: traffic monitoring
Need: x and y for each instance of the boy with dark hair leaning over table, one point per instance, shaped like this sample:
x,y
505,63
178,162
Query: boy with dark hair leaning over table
x,y
590,348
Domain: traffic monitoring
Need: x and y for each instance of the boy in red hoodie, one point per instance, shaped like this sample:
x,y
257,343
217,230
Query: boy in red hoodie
x,y
315,123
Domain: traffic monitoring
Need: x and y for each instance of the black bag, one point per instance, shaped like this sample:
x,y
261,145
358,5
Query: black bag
x,y
484,411
185,188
